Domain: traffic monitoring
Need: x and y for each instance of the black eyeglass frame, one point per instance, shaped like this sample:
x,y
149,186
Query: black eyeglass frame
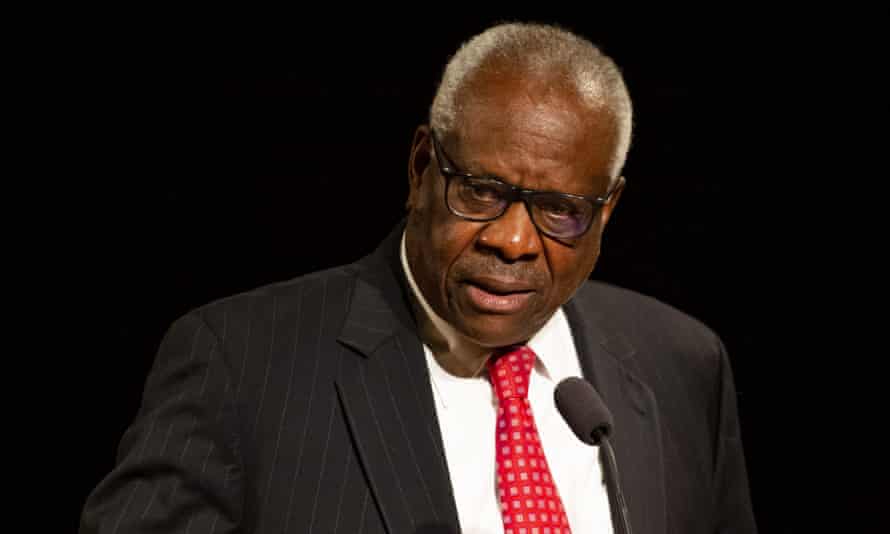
x,y
514,193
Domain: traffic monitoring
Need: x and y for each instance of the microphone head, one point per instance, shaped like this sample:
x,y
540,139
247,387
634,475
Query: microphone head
x,y
583,409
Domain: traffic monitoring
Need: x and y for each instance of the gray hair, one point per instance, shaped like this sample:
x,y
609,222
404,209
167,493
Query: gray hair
x,y
543,51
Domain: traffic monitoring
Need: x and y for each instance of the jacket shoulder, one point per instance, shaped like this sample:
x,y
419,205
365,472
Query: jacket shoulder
x,y
624,305
651,325
284,289
317,298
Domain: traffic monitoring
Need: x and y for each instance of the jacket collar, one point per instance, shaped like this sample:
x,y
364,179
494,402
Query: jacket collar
x,y
388,402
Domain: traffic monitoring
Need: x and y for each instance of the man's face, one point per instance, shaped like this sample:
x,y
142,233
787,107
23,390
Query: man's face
x,y
498,282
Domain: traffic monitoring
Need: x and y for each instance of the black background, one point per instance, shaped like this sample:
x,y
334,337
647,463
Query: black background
x,y
207,155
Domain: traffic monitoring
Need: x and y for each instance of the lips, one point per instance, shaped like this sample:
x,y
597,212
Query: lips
x,y
498,295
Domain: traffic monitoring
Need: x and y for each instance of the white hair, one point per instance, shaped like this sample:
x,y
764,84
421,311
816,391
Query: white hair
x,y
538,51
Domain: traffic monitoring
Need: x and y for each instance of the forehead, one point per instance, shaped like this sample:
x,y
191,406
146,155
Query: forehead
x,y
533,126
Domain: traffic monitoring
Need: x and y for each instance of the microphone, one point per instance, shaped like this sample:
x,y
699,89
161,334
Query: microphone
x,y
583,409
590,420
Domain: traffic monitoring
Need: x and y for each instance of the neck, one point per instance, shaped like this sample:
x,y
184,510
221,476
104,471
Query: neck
x,y
454,352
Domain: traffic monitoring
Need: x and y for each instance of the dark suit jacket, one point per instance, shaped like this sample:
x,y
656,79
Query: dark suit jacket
x,y
306,406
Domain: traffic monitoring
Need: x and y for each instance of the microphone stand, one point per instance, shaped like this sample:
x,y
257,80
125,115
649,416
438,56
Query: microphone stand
x,y
616,496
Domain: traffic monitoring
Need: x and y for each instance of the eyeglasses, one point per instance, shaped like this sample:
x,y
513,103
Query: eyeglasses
x,y
561,216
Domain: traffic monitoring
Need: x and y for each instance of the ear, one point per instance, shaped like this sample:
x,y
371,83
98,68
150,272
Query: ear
x,y
418,161
607,209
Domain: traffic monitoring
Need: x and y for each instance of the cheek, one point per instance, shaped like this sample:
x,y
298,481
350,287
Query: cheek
x,y
445,237
451,240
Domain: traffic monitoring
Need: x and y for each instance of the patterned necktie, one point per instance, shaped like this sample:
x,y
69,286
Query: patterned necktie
x,y
530,503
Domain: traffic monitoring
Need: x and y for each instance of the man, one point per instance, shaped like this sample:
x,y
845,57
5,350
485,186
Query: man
x,y
412,391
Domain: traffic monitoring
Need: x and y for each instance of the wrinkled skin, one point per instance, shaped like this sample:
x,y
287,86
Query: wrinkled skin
x,y
532,135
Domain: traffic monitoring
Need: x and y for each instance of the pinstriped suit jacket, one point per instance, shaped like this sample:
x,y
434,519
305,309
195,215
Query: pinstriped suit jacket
x,y
305,406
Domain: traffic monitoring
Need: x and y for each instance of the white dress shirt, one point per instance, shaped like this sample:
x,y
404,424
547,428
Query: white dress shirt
x,y
466,408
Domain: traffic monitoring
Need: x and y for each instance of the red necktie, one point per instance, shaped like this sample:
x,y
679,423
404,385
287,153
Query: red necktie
x,y
530,503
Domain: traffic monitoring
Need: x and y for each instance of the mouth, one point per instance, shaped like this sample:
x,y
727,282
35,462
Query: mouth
x,y
498,295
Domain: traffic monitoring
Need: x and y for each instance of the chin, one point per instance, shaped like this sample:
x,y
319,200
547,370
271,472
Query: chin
x,y
495,332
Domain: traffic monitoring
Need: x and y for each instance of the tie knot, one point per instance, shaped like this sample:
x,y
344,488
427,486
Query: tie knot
x,y
510,371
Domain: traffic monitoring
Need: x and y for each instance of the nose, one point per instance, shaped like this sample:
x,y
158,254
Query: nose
x,y
512,236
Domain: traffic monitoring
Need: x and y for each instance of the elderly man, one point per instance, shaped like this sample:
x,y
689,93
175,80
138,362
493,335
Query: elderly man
x,y
412,391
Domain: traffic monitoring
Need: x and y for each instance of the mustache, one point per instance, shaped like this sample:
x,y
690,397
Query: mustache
x,y
469,267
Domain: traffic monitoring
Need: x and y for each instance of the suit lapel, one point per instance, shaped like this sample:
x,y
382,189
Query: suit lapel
x,y
606,360
388,403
